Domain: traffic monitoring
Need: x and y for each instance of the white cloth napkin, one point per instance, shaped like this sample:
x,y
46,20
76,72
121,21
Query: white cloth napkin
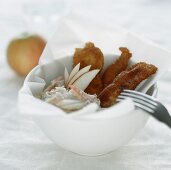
x,y
23,146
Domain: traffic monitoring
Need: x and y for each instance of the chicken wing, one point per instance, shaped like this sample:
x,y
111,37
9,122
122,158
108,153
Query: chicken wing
x,y
117,67
90,55
128,79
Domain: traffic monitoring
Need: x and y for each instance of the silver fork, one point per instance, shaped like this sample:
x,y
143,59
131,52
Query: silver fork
x,y
148,104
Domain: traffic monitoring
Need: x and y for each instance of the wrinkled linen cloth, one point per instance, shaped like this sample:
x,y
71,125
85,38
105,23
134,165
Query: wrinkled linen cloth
x,y
23,145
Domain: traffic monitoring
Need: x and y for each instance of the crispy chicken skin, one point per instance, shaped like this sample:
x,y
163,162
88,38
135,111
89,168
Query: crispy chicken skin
x,y
117,67
90,55
128,79
96,86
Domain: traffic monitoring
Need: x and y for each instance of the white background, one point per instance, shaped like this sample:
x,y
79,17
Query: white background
x,y
22,144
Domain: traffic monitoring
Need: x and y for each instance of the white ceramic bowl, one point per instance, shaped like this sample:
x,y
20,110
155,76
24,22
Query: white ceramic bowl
x,y
89,136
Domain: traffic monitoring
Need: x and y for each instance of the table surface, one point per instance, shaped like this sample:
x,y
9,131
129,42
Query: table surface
x,y
22,144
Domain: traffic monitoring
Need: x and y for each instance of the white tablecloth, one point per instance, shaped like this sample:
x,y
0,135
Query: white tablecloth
x,y
24,146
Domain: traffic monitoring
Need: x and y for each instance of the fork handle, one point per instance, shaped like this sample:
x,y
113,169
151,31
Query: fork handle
x,y
165,118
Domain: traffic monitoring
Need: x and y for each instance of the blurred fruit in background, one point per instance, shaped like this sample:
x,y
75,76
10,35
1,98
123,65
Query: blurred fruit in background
x,y
23,52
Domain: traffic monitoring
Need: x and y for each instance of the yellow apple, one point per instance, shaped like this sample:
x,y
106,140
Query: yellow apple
x,y
23,53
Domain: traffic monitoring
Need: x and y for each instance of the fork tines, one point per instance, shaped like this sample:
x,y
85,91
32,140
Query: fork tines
x,y
141,100
149,104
